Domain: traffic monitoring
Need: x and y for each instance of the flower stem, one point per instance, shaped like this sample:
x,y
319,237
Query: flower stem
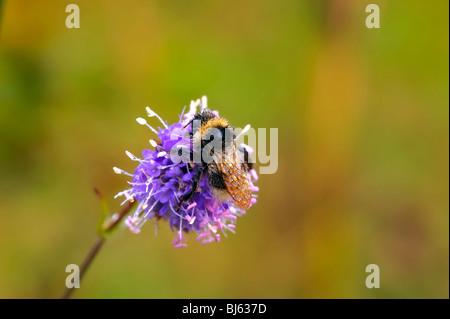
x,y
98,244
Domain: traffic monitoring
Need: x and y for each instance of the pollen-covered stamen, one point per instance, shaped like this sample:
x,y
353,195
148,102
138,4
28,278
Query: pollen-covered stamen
x,y
151,113
128,196
142,121
145,205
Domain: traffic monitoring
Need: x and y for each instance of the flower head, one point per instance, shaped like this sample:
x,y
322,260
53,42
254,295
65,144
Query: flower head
x,y
159,183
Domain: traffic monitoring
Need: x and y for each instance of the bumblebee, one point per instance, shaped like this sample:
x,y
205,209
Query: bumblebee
x,y
227,166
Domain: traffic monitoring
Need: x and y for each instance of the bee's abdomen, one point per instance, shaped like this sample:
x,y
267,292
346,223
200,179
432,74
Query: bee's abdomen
x,y
215,177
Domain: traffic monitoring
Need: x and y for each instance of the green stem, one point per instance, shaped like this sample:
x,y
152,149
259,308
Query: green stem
x,y
98,244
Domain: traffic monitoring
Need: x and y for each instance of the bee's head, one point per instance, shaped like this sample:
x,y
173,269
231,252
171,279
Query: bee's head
x,y
218,134
207,128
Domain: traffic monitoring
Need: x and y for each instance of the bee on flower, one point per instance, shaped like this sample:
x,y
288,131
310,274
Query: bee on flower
x,y
195,178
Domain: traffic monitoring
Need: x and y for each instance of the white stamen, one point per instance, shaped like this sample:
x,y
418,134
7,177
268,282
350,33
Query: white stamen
x,y
151,113
128,197
118,194
161,154
150,209
144,206
140,221
121,171
192,220
204,104
153,143
132,157
141,121
245,130
193,106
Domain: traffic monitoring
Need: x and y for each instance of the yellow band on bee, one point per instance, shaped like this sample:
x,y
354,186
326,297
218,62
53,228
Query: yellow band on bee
x,y
215,122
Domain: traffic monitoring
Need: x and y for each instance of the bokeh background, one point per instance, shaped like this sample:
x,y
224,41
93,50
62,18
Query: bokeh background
x,y
363,144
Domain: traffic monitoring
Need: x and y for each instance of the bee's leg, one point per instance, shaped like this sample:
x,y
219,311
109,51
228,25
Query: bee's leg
x,y
246,158
195,181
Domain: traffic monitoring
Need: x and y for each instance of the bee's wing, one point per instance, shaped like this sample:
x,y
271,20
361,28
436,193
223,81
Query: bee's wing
x,y
235,177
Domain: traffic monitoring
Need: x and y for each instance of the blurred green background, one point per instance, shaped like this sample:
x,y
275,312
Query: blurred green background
x,y
363,144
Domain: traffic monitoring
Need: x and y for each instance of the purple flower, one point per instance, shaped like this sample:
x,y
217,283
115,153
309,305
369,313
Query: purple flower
x,y
159,183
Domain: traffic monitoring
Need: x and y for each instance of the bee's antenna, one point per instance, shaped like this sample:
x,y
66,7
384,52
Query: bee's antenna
x,y
188,123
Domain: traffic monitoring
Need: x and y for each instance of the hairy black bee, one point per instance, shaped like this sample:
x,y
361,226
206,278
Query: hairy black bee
x,y
227,169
